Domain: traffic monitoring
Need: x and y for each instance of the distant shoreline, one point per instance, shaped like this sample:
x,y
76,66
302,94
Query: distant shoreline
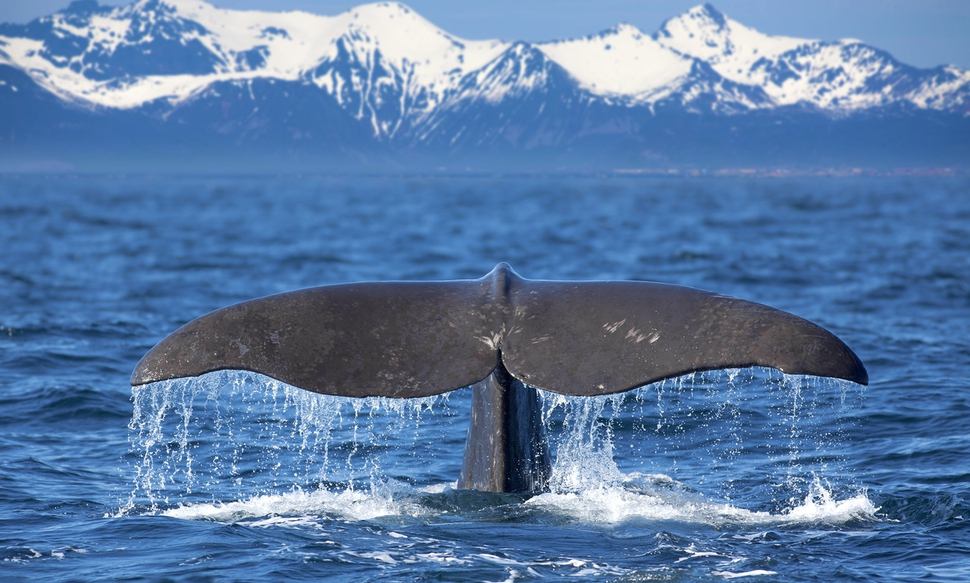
x,y
686,173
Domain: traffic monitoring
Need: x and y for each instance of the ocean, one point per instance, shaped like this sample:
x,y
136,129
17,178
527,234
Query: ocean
x,y
720,475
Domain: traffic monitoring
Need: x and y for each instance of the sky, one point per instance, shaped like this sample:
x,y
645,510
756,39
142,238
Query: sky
x,y
924,33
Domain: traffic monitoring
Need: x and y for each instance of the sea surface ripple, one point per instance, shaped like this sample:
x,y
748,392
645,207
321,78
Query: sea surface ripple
x,y
732,474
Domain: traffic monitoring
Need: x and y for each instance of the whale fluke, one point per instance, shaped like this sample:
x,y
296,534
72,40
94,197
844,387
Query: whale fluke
x,y
504,335
414,339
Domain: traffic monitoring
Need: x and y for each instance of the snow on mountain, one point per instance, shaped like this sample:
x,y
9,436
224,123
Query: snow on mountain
x,y
98,54
520,99
421,51
124,57
703,90
848,75
626,65
730,47
391,69
840,76
621,61
519,70
390,65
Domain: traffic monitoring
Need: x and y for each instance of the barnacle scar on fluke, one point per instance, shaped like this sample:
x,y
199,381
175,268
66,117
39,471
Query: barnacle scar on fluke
x,y
502,335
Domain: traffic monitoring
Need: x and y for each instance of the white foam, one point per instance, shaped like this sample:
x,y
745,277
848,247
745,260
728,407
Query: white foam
x,y
444,558
693,553
298,507
380,556
618,503
438,488
595,505
753,573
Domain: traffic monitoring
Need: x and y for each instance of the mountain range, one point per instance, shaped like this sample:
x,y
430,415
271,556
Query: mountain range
x,y
182,84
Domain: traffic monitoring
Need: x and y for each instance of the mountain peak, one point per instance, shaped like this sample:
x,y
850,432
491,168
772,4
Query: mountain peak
x,y
384,9
519,70
522,64
705,33
394,19
702,22
522,49
707,12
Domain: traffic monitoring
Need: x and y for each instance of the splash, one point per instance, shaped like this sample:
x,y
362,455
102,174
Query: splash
x,y
745,434
236,434
582,438
745,446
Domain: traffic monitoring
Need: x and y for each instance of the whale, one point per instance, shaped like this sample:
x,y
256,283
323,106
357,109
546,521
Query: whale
x,y
504,336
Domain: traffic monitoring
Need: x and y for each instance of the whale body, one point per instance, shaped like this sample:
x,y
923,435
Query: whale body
x,y
504,336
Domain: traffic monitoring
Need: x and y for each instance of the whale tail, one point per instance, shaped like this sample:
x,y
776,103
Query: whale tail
x,y
414,339
503,334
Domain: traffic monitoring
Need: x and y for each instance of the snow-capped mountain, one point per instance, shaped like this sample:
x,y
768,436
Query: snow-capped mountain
x,y
837,76
380,77
127,56
520,98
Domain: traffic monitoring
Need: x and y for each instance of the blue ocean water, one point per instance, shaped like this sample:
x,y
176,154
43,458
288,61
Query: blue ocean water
x,y
740,473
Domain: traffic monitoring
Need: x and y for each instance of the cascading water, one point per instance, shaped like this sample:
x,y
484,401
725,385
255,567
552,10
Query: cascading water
x,y
233,435
758,446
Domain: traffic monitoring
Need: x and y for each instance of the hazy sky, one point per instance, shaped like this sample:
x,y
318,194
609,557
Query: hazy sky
x,y
919,32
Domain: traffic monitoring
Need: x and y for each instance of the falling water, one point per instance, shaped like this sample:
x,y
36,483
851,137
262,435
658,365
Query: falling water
x,y
240,434
745,434
234,444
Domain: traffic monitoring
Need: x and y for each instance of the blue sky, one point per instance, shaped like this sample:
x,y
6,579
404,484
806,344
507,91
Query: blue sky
x,y
919,32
